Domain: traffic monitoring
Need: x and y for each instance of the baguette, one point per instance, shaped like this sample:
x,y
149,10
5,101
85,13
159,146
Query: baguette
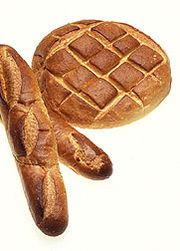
x,y
33,143
78,152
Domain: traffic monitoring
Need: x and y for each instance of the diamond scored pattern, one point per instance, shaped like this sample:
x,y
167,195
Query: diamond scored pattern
x,y
65,29
56,92
75,108
109,30
101,91
126,44
105,60
127,76
92,52
126,107
86,46
78,77
146,57
61,62
146,87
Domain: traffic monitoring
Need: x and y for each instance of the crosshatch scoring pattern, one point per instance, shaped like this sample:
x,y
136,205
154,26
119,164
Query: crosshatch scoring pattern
x,y
100,66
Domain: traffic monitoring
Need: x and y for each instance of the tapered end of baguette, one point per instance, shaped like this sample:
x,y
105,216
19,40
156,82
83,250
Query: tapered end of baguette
x,y
102,170
98,169
106,168
51,226
90,160
46,196
55,217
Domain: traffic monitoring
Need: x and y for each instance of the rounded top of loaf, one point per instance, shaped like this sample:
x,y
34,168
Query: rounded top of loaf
x,y
100,74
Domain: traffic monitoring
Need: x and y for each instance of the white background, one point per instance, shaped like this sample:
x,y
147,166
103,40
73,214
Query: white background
x,y
138,208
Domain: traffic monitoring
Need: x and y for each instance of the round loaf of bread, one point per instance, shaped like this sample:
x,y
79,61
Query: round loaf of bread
x,y
98,74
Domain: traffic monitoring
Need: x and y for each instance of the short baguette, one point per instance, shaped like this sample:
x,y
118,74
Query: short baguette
x,y
78,152
33,143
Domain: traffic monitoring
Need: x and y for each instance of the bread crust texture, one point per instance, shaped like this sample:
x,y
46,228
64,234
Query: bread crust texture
x,y
98,74
36,136
32,140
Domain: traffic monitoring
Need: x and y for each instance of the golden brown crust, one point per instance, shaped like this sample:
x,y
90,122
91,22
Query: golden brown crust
x,y
33,144
121,55
74,148
78,152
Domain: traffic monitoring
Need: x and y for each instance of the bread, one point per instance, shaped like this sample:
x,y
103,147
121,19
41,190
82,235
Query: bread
x,y
32,141
78,152
101,74
75,150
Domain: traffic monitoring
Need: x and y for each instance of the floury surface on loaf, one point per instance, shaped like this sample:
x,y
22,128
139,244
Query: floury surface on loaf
x,y
33,143
98,74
